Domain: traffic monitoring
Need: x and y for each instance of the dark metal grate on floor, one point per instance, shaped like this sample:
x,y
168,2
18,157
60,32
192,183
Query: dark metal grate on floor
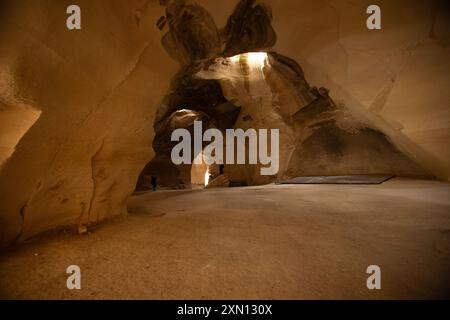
x,y
350,179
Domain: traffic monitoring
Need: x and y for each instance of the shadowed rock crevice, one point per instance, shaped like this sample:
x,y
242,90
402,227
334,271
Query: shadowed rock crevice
x,y
249,29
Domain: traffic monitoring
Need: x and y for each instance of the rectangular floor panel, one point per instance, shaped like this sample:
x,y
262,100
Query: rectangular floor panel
x,y
350,179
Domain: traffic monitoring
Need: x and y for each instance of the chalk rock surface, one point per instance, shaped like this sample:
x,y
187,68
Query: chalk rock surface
x,y
81,105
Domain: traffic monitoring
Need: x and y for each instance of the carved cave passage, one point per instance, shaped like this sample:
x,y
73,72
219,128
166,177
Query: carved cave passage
x,y
213,109
259,90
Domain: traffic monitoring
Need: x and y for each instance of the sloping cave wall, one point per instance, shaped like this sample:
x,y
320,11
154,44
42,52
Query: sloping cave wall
x,y
400,74
97,91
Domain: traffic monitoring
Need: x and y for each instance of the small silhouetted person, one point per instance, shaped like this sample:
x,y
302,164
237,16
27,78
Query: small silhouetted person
x,y
221,169
154,184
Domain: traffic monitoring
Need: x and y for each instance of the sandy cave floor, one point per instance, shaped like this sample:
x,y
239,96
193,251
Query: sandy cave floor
x,y
289,241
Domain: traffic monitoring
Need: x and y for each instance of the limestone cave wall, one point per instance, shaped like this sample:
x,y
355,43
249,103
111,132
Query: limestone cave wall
x,y
95,91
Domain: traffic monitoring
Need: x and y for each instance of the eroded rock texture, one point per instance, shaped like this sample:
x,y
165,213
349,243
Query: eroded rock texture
x,y
88,98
